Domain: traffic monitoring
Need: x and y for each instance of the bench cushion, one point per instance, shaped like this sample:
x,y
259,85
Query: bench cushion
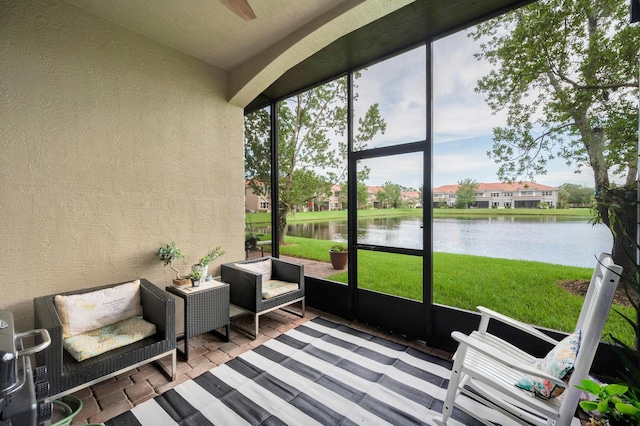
x,y
84,312
92,343
273,288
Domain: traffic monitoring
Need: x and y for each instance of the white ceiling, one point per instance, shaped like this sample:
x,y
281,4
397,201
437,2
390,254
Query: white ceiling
x,y
275,54
255,53
208,30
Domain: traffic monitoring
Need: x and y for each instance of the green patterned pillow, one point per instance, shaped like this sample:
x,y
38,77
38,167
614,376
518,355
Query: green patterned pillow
x,y
96,342
558,363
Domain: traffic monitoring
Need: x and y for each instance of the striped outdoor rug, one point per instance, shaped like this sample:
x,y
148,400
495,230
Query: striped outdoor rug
x,y
320,373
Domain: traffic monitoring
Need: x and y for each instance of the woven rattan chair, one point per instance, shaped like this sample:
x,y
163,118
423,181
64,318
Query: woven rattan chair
x,y
66,375
246,287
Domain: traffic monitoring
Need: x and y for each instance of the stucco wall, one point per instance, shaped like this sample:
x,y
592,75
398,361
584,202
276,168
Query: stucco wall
x,y
111,145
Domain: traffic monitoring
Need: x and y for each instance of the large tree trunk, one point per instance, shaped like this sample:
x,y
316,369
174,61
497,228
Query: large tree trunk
x,y
618,210
282,222
616,207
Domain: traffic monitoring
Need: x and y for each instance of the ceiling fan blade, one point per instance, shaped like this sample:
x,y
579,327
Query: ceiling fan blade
x,y
240,8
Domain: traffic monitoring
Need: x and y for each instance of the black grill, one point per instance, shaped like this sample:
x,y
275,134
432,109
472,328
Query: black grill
x,y
23,390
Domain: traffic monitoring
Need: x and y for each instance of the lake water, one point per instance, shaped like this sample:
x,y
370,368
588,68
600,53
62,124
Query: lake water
x,y
546,239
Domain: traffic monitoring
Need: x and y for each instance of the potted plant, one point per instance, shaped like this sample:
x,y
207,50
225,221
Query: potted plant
x,y
250,239
195,276
339,256
616,404
203,263
168,254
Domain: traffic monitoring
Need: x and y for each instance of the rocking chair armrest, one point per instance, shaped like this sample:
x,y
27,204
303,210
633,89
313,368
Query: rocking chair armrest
x,y
501,357
488,314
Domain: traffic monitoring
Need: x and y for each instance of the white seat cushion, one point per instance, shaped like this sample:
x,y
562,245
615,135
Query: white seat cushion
x,y
273,288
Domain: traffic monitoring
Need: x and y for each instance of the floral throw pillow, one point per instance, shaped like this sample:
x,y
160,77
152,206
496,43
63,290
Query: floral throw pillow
x,y
558,363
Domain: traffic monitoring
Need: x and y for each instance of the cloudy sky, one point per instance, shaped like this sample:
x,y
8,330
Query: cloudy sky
x,y
462,121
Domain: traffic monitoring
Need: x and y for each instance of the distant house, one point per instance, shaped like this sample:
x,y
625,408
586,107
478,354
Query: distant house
x,y
335,200
520,195
372,199
255,203
410,199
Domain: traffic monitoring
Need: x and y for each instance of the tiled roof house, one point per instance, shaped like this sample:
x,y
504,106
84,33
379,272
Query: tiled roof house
x,y
501,195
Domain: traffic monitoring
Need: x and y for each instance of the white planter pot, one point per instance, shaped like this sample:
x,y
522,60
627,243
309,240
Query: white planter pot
x,y
202,269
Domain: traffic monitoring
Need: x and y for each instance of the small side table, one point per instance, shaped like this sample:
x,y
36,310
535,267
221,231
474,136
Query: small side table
x,y
205,308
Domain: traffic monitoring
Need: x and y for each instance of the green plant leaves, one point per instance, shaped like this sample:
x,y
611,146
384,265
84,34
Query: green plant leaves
x,y
612,401
590,386
614,390
627,409
603,406
588,405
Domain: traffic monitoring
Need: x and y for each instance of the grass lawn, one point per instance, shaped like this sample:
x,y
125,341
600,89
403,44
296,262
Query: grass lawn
x,y
528,291
334,215
338,215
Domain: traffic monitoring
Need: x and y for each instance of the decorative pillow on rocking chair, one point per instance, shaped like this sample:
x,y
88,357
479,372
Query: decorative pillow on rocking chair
x,y
558,363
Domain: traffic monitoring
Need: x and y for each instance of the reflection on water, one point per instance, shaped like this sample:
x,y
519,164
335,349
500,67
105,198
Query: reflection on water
x,y
336,231
542,238
545,239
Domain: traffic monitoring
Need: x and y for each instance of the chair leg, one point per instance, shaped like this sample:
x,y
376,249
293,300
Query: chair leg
x,y
454,382
256,316
299,313
257,322
174,356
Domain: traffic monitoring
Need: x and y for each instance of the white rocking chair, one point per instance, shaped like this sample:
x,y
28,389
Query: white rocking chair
x,y
486,368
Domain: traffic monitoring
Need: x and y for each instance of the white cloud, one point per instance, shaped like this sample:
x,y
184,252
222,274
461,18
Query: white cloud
x,y
557,178
456,65
462,121
459,112
405,170
398,85
461,164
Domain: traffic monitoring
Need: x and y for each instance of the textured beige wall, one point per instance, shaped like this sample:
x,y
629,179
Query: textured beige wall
x,y
111,145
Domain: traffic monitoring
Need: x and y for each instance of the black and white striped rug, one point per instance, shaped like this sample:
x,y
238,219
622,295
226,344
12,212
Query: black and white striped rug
x,y
320,373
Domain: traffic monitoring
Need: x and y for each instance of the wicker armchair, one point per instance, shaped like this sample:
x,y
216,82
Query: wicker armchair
x,y
66,375
246,287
